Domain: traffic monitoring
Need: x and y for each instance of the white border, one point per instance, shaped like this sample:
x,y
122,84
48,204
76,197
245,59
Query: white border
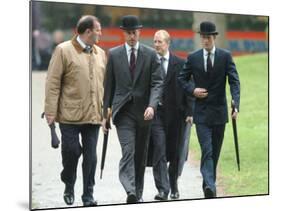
x,y
14,82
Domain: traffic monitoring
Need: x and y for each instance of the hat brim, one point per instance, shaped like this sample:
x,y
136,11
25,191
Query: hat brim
x,y
208,33
131,28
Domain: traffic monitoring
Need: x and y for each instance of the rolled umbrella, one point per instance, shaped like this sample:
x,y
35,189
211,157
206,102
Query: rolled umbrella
x,y
234,126
184,148
105,140
55,142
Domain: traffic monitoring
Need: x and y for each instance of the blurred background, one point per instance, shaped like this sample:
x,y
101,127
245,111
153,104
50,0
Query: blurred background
x,y
54,22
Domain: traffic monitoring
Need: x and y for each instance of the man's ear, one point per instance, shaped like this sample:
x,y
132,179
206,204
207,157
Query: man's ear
x,y
88,31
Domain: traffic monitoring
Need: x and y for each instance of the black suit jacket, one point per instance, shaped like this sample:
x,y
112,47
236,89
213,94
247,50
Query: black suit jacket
x,y
177,106
212,109
144,90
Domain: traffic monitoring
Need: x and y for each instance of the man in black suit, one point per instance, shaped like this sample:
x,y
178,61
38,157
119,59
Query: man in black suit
x,y
173,112
133,85
210,68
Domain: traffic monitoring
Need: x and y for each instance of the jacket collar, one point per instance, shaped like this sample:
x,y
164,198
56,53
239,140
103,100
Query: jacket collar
x,y
78,47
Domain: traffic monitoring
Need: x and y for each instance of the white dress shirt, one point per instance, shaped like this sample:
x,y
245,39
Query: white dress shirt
x,y
129,49
83,45
212,57
166,61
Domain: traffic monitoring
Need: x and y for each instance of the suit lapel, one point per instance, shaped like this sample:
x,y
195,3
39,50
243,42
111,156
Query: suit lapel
x,y
170,70
216,59
124,60
201,63
139,64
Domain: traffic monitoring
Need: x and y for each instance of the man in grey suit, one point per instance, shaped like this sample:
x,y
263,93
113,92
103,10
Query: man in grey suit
x,y
133,85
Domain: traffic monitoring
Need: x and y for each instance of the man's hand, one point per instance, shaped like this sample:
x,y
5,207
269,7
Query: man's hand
x,y
104,128
50,119
200,92
148,113
189,119
234,114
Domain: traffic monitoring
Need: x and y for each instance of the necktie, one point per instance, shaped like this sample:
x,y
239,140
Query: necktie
x,y
163,73
132,62
162,60
209,63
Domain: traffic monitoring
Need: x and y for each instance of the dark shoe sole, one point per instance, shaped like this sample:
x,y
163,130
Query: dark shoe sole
x,y
160,198
132,199
90,204
209,193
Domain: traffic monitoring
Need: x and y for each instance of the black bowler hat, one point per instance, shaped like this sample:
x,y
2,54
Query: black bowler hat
x,y
130,22
208,28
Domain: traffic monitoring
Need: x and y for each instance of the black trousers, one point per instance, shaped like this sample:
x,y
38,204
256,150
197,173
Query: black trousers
x,y
133,134
210,139
158,137
71,151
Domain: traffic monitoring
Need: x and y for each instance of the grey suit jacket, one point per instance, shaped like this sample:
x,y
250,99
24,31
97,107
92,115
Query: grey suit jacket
x,y
144,90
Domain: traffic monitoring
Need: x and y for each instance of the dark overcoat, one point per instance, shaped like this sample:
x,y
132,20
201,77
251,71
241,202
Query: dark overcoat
x,y
177,106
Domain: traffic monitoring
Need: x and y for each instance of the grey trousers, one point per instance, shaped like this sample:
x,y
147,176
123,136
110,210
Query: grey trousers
x,y
158,137
133,134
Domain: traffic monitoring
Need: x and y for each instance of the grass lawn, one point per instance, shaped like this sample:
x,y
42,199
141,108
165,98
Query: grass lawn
x,y
252,132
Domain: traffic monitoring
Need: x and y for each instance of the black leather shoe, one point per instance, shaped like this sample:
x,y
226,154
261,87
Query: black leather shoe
x,y
91,203
208,193
131,198
174,189
68,195
174,195
161,196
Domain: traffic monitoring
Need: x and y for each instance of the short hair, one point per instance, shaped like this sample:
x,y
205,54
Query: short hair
x,y
86,22
165,34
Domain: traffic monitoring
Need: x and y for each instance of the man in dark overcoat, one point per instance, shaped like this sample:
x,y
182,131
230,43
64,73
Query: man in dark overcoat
x,y
170,122
210,67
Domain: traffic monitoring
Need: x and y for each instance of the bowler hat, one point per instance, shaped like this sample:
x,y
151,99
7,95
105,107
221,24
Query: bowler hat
x,y
130,22
208,28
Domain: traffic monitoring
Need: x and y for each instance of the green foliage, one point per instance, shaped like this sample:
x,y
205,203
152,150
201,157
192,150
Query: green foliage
x,y
253,132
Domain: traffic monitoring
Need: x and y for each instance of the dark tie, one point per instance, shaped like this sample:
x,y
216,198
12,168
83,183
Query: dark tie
x,y
132,63
88,49
162,59
209,63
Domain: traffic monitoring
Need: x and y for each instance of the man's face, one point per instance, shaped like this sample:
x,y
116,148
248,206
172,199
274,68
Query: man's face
x,y
208,41
132,37
95,34
160,45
